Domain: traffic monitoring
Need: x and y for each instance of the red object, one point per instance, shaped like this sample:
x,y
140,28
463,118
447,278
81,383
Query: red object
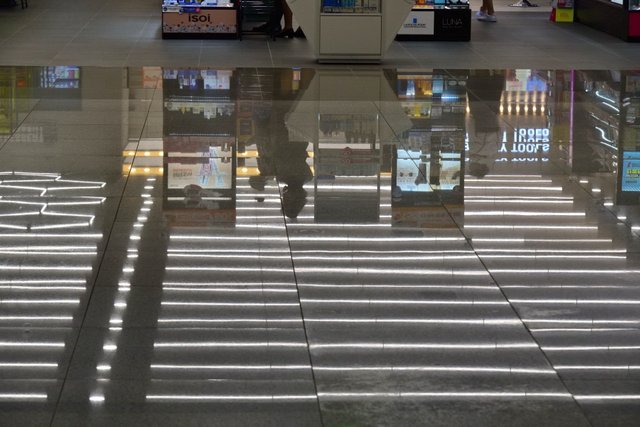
x,y
552,17
634,24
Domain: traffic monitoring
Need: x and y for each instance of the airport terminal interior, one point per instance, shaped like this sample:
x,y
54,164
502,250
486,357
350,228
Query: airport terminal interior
x,y
225,232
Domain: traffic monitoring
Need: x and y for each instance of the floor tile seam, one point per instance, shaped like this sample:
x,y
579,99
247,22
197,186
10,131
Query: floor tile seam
x,y
79,31
26,25
511,305
93,288
301,311
135,43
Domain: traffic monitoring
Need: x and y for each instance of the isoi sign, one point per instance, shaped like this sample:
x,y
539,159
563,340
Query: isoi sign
x,y
199,18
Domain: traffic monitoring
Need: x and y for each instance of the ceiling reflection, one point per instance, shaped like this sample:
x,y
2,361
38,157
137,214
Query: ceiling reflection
x,y
320,238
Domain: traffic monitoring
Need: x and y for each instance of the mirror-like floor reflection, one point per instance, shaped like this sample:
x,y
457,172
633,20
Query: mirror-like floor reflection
x,y
319,247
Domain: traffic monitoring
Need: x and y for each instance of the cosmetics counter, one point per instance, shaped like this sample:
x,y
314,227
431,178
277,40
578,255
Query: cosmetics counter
x,y
437,20
199,19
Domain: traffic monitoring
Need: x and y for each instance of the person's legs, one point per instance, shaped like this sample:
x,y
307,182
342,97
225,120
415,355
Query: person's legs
x,y
288,15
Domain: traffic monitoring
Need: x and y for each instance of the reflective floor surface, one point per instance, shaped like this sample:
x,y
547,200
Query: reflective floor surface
x,y
304,247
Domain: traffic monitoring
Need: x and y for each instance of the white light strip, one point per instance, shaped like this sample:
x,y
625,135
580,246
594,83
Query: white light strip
x,y
525,181
425,346
27,365
40,302
527,240
31,344
519,201
558,271
254,290
560,257
531,227
240,269
22,396
554,251
230,320
57,236
584,321
358,270
230,367
230,397
401,302
607,397
453,394
230,344
36,318
575,301
484,322
376,239
519,188
522,213
395,287
593,348
228,304
596,367
355,257
589,330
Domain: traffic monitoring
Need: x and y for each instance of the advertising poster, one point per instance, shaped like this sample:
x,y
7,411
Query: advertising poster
x,y
631,171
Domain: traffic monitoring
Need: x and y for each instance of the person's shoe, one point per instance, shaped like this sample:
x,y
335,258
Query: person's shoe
x,y
488,18
288,33
480,15
299,34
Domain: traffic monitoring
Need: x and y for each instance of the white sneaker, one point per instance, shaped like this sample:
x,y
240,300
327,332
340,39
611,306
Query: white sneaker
x,y
488,18
480,15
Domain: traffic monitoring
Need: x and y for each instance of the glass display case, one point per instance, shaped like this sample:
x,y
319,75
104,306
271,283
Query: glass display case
x,y
350,6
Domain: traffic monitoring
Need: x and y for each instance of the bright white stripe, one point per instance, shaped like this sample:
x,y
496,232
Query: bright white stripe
x,y
244,256
229,344
580,329
520,201
404,272
531,227
455,287
35,301
519,188
554,256
607,397
382,258
554,251
596,367
253,290
583,321
36,318
521,213
401,302
230,367
229,304
230,397
30,344
575,301
242,269
23,396
539,181
229,320
592,348
559,271
27,365
527,240
501,322
57,236
453,394
434,346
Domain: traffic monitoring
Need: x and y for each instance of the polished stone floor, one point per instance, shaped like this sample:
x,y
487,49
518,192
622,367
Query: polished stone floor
x,y
304,247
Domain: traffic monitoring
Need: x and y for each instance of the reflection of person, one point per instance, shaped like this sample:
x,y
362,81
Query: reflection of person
x,y
278,156
484,91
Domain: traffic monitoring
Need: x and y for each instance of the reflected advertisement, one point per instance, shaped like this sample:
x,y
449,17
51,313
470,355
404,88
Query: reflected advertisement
x,y
631,171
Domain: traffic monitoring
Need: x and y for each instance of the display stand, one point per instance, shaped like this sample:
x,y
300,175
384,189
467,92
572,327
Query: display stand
x,y
620,18
352,30
437,20
183,19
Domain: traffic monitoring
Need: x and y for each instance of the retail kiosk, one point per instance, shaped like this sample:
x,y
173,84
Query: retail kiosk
x,y
620,18
183,19
350,30
437,20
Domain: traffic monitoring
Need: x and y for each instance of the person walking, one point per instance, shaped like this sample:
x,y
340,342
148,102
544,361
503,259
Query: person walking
x,y
486,12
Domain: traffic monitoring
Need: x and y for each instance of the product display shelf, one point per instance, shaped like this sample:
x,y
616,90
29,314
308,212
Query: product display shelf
x,y
199,19
437,20
620,18
350,31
